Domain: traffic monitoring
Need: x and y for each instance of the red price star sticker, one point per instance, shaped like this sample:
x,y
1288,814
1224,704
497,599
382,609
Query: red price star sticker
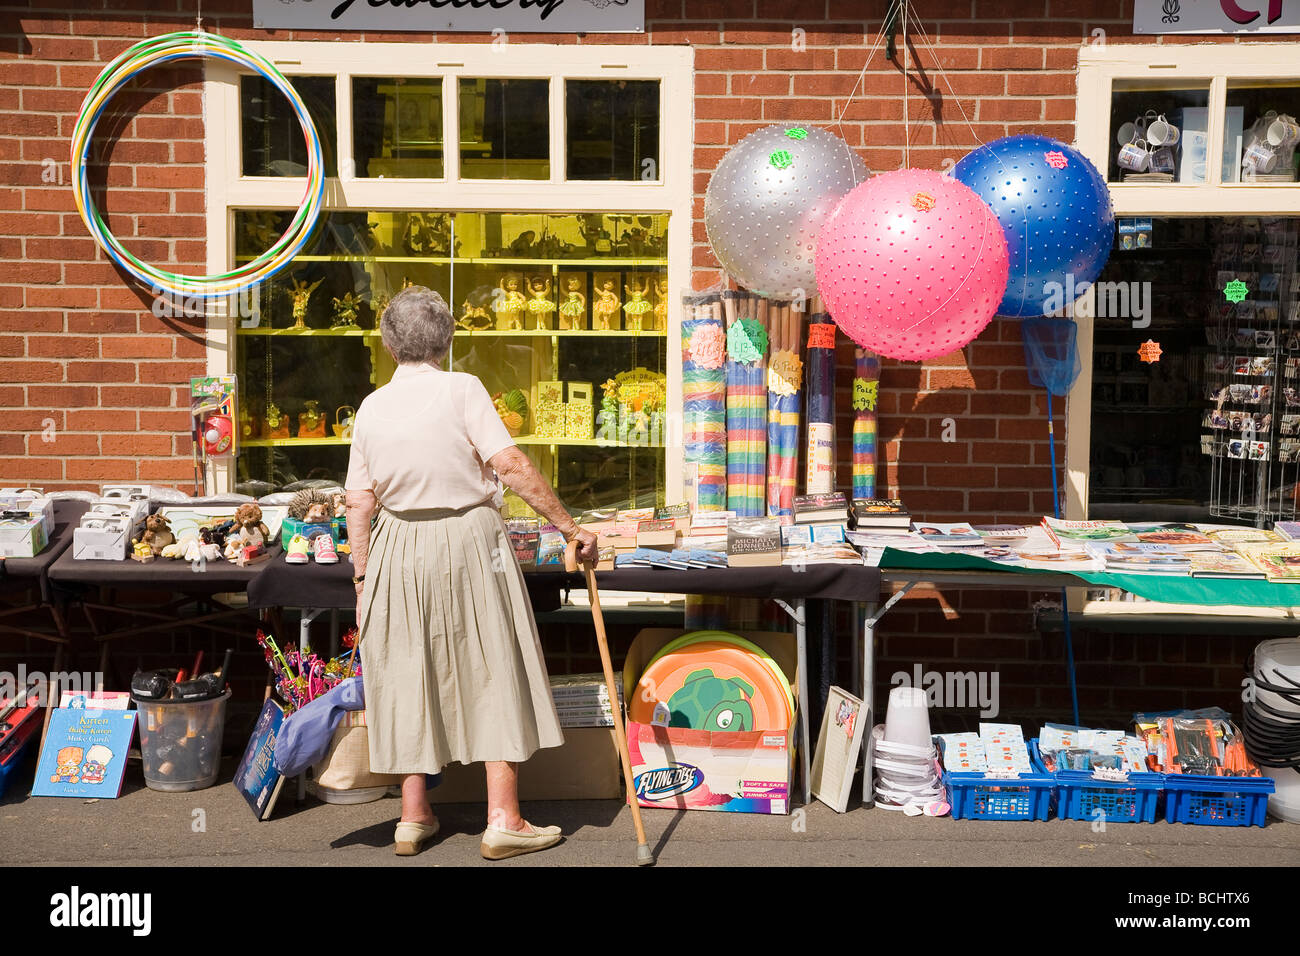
x,y
1056,159
1149,351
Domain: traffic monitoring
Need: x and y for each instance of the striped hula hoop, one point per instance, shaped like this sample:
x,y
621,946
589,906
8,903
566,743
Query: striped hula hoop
x,y
166,49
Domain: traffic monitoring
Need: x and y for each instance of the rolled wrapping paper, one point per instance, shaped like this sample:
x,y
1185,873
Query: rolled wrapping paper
x,y
819,378
866,389
704,389
784,380
746,404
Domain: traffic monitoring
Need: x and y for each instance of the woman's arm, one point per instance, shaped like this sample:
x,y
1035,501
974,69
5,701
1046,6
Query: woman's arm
x,y
521,476
361,507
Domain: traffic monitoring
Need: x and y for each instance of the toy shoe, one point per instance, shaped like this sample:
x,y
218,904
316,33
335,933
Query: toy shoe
x,y
296,552
323,549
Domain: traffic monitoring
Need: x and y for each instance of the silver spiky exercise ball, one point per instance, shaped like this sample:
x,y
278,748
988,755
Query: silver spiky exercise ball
x,y
767,200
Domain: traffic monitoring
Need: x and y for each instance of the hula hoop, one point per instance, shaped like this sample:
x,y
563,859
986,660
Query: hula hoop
x,y
165,49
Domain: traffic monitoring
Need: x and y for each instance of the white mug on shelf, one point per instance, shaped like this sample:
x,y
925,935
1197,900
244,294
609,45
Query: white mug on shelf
x,y
1162,160
1134,156
1161,132
1259,158
1283,132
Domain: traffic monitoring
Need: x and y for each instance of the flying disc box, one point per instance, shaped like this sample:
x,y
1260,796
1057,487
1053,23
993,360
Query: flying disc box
x,y
677,768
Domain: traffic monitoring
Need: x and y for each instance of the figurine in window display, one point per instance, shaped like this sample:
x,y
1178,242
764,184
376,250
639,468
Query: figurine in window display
x,y
301,296
377,305
573,311
416,238
440,237
604,313
510,305
277,423
661,304
346,312
540,306
311,420
594,233
637,306
522,247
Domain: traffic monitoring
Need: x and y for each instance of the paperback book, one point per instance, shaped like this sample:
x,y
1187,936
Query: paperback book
x,y
880,513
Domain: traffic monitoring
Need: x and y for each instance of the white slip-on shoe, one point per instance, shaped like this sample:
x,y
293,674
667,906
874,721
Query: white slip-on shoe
x,y
500,844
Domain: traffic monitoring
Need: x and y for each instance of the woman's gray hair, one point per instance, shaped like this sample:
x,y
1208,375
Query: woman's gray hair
x,y
417,326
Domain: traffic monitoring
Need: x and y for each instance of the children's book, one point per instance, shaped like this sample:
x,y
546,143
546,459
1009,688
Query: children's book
x,y
84,753
1280,562
1058,529
256,777
95,699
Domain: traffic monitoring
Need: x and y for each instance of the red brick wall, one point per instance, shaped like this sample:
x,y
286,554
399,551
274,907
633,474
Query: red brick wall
x,y
91,382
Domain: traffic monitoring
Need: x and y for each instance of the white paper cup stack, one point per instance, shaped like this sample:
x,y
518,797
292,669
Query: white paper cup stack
x,y
904,756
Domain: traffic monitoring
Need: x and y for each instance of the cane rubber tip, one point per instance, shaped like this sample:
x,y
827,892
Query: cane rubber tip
x,y
644,857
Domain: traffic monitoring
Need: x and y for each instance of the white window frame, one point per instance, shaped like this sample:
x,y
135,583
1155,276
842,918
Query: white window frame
x,y
672,193
1176,67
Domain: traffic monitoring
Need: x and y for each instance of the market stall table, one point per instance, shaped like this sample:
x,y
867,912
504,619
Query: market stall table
x,y
945,569
198,581
318,587
34,572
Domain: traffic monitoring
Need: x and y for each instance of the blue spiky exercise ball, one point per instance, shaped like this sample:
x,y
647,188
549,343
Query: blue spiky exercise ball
x,y
1054,207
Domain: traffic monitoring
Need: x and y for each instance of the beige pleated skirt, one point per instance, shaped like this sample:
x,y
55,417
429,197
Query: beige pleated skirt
x,y
453,667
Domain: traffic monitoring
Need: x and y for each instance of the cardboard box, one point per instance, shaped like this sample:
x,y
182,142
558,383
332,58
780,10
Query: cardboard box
x,y
32,501
584,768
136,507
679,769
23,537
109,542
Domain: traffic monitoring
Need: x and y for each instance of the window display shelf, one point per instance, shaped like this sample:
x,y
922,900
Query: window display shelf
x,y
583,333
260,330
580,442
631,263
292,442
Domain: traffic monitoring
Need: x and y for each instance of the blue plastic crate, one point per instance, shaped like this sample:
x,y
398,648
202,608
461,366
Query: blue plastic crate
x,y
1217,801
973,796
1079,795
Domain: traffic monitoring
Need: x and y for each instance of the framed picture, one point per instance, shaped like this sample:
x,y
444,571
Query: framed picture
x,y
838,746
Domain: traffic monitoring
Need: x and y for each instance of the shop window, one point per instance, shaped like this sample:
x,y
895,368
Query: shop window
x,y
1158,134
1212,429
612,129
397,128
1261,131
505,128
562,316
271,140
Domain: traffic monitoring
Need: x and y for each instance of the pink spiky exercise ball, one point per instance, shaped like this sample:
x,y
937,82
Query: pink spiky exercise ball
x,y
912,264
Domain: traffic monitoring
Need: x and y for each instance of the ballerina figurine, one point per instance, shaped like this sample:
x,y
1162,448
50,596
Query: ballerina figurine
x,y
661,304
573,311
510,305
540,306
637,306
605,311
301,296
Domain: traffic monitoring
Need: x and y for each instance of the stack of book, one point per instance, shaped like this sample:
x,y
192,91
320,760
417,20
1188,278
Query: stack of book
x,y
582,700
880,514
1140,557
820,508
753,543
524,535
816,544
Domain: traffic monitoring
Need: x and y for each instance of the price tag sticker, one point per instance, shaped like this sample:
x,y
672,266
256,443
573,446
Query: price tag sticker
x,y
1110,774
1003,773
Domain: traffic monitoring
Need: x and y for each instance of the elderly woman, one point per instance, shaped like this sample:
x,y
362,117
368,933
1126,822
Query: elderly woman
x,y
453,664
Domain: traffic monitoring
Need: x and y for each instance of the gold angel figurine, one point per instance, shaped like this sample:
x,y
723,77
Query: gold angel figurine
x,y
346,312
661,304
605,310
637,306
301,296
540,306
510,305
573,310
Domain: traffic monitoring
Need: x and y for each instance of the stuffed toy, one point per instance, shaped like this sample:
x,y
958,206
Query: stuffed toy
x,y
310,505
250,531
157,533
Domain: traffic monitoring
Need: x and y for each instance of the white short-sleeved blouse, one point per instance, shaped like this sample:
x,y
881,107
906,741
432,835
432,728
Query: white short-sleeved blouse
x,y
423,441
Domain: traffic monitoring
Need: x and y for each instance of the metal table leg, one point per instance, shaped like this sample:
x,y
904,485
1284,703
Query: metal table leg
x,y
869,619
798,613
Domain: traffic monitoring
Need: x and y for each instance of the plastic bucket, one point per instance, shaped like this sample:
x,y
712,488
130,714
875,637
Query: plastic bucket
x,y
180,742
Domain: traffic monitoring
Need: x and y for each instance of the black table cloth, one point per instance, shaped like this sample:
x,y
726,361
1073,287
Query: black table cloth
x,y
161,574
330,586
22,571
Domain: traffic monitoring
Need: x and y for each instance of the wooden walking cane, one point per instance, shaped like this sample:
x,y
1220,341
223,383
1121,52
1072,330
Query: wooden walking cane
x,y
644,855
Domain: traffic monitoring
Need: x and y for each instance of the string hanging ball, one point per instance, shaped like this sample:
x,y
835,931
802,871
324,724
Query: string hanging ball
x,y
167,49
912,264
1054,207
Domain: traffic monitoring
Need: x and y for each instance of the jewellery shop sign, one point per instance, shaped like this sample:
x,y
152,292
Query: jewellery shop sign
x,y
1216,16
453,16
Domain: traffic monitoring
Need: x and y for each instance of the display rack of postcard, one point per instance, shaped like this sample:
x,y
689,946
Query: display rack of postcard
x,y
1252,425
